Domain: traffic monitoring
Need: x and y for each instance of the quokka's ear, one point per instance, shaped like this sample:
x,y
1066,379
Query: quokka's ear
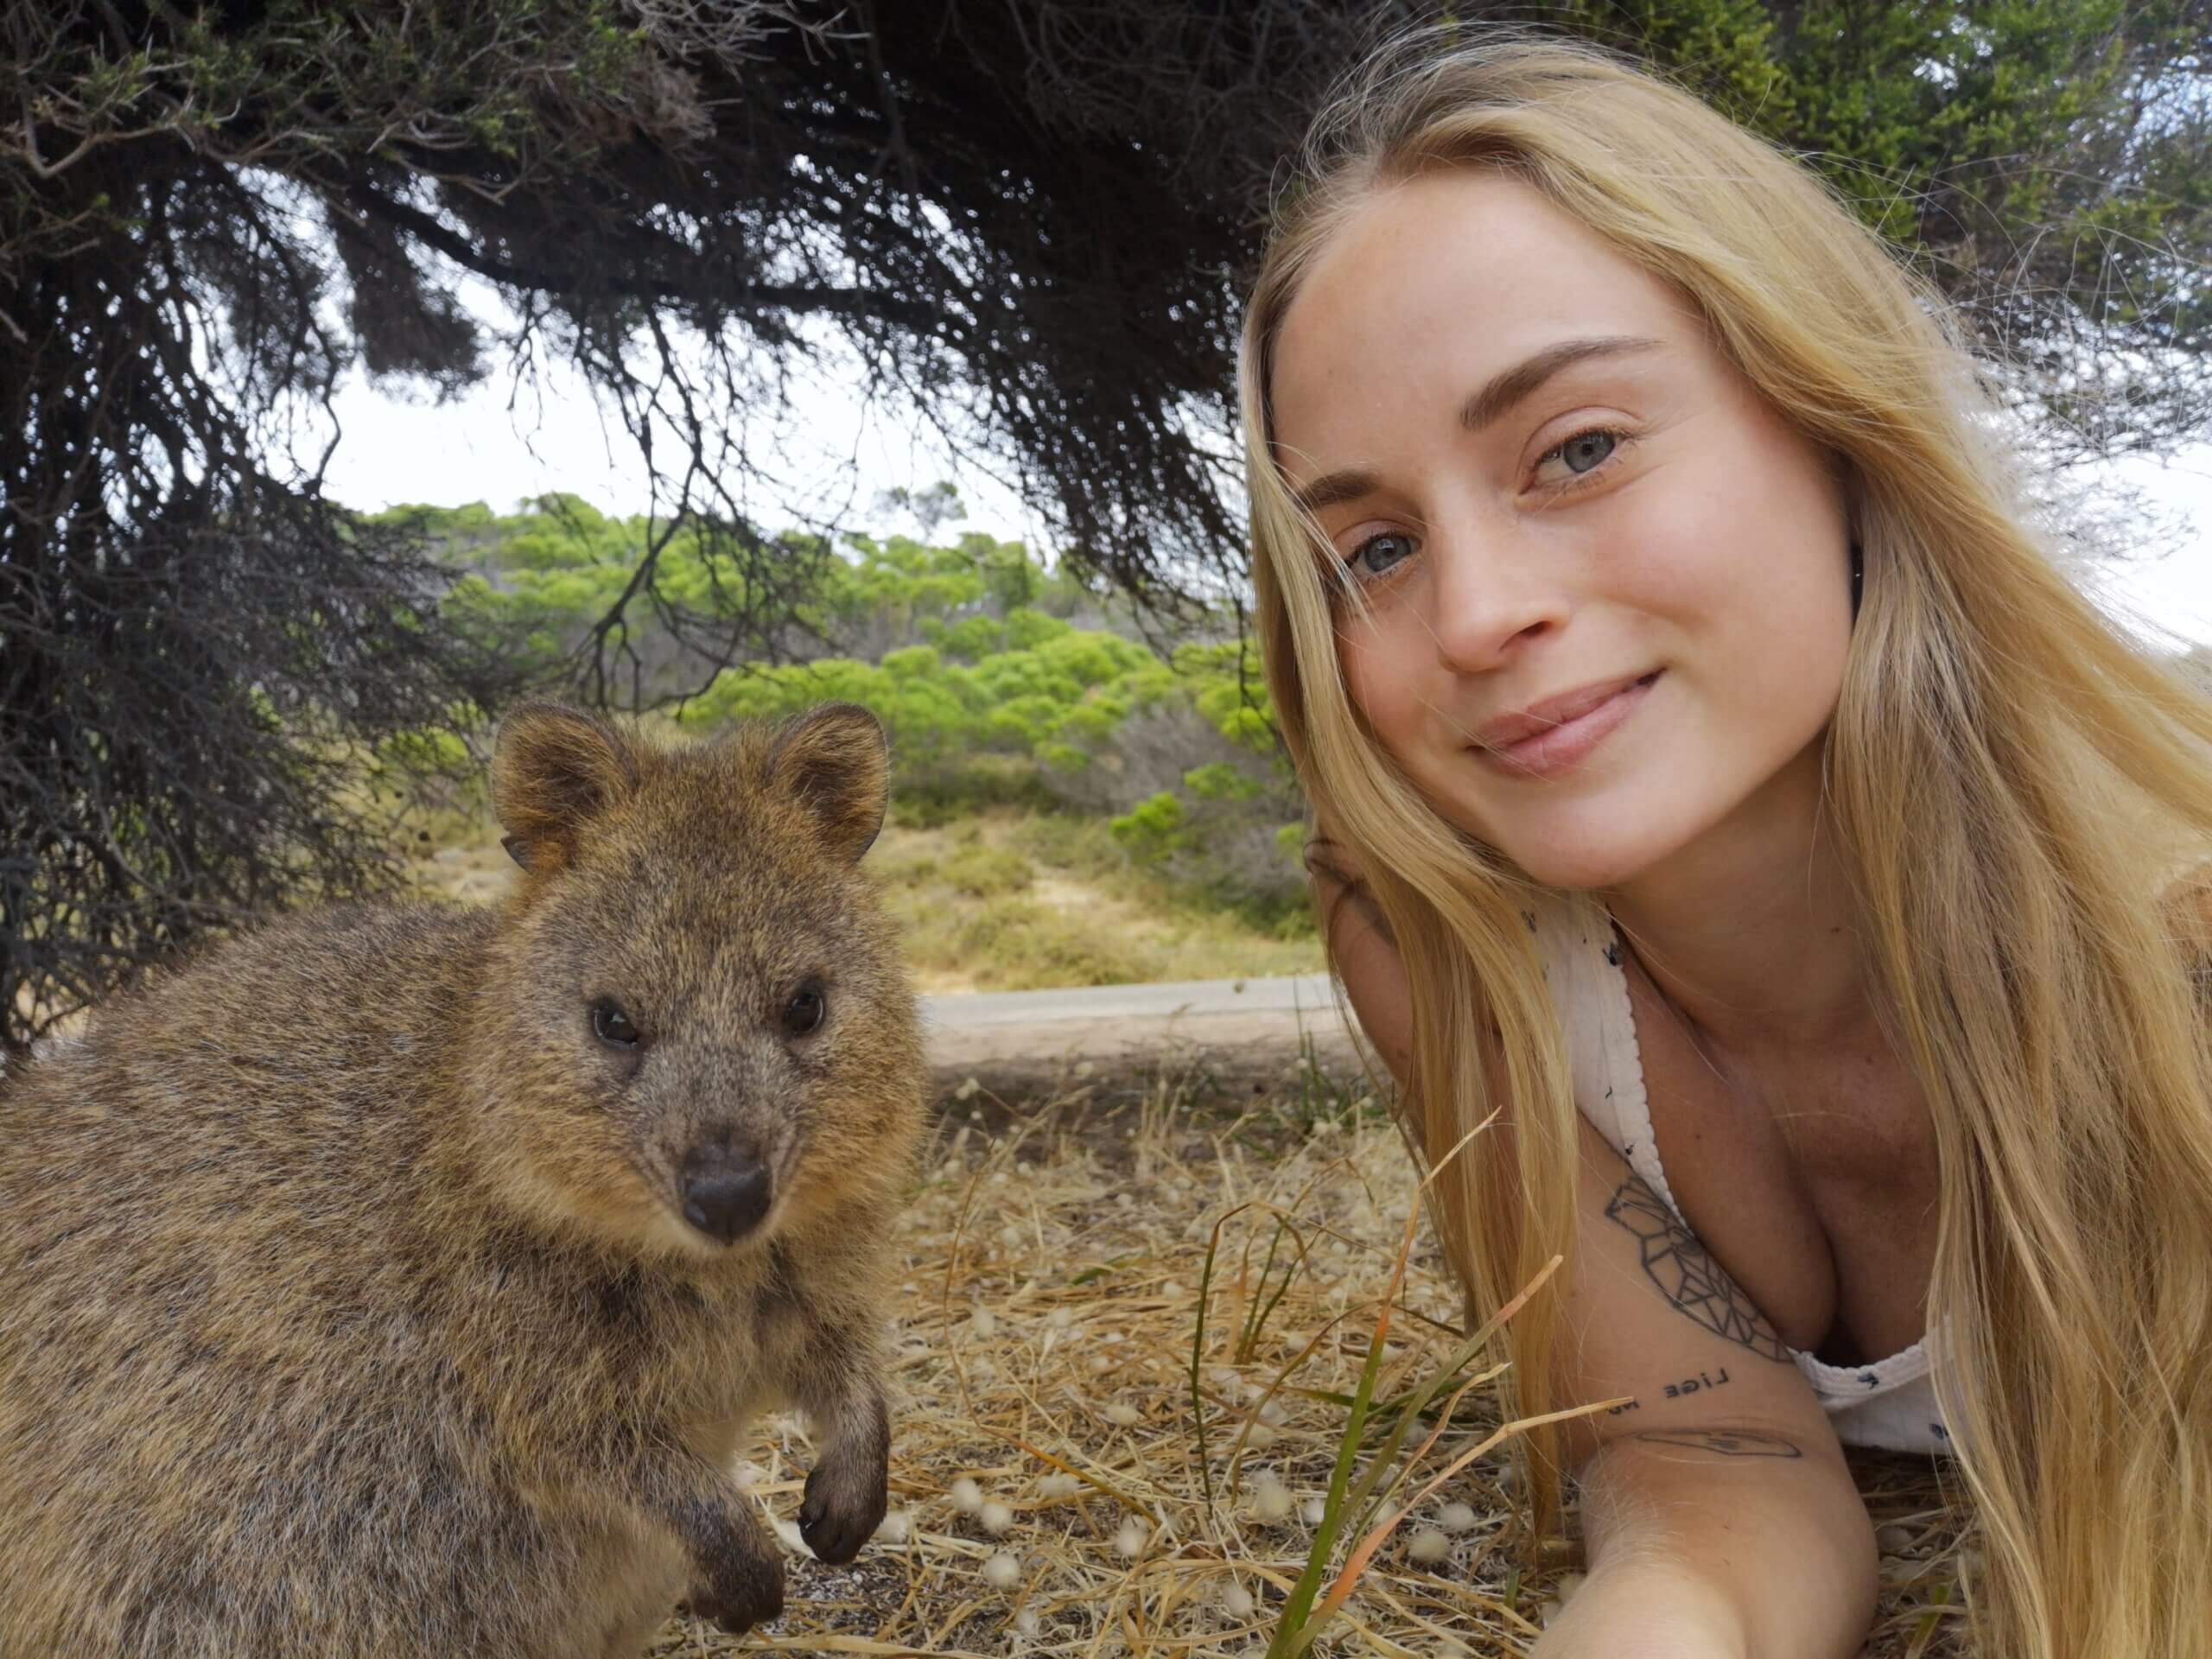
x,y
554,770
836,761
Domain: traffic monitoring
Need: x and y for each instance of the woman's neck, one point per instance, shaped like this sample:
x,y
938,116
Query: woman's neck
x,y
1753,931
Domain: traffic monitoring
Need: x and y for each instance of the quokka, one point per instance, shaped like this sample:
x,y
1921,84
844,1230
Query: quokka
x,y
399,1280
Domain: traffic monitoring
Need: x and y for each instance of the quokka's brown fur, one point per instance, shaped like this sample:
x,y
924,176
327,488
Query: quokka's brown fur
x,y
348,1302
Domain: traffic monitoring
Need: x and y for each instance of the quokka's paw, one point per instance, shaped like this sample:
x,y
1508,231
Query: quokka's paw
x,y
746,1590
843,1505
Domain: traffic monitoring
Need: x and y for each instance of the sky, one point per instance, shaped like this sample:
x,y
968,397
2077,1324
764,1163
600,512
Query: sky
x,y
498,446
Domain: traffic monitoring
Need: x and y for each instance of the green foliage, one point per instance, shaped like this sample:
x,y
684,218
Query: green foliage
x,y
1154,829
1217,780
989,671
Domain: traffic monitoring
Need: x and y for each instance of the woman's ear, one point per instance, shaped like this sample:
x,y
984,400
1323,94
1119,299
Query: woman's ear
x,y
836,761
555,769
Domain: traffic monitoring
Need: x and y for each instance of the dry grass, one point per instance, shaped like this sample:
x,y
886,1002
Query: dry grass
x,y
1048,1305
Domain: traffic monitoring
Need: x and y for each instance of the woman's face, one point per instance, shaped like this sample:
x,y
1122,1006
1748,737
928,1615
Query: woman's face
x,y
1608,587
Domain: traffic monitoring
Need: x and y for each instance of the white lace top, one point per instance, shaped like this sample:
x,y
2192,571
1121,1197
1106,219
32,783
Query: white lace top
x,y
1890,1403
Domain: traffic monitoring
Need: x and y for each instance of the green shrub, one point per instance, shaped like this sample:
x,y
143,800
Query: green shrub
x,y
1153,830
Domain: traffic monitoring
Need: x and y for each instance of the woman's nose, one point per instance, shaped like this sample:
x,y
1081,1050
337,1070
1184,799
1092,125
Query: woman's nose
x,y
1489,595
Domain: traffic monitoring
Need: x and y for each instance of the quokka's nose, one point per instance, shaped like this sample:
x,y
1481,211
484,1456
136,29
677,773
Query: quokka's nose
x,y
726,1190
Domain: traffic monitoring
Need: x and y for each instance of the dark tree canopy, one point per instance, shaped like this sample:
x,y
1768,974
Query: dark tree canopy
x,y
1030,217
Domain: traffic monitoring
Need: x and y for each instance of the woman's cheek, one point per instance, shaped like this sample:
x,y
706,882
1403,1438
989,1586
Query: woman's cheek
x,y
1375,675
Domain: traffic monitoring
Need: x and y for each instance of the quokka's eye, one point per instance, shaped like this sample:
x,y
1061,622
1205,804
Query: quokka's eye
x,y
610,1026
803,1013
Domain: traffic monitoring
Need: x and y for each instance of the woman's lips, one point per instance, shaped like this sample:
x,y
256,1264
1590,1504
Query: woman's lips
x,y
1559,749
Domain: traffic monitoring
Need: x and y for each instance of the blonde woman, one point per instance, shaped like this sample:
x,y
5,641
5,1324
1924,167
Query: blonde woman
x,y
1719,785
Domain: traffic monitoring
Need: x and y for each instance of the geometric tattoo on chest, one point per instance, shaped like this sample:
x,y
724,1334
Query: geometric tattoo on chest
x,y
1687,1276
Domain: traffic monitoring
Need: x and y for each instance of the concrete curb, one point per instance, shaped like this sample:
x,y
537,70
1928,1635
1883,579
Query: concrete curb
x,y
1025,1041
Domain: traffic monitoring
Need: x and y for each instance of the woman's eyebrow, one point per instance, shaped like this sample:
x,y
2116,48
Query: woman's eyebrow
x,y
1332,488
1499,395
1509,386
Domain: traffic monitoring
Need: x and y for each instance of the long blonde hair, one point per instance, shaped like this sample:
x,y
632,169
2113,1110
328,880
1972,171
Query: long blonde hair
x,y
2015,787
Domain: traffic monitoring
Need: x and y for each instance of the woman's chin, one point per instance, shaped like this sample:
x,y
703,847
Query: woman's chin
x,y
1589,862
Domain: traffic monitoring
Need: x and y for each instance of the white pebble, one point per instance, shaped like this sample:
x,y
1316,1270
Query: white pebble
x,y
1171,1289
983,1323
1237,1600
1002,1572
1427,1547
1310,1510
1026,1623
1271,1501
967,1496
1130,1539
1125,1415
1124,1199
997,1518
1456,1517
895,1527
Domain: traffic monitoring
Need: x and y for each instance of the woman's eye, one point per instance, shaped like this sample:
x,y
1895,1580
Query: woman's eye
x,y
803,1013
1378,553
1583,453
611,1026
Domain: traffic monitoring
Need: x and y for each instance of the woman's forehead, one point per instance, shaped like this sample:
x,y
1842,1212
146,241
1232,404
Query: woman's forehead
x,y
1431,287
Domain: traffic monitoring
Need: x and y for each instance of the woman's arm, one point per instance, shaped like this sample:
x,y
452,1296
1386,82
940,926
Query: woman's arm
x,y
1717,1513
1720,1519
1692,1563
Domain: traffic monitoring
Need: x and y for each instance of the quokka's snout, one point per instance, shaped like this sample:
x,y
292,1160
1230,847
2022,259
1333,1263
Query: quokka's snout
x,y
727,1189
